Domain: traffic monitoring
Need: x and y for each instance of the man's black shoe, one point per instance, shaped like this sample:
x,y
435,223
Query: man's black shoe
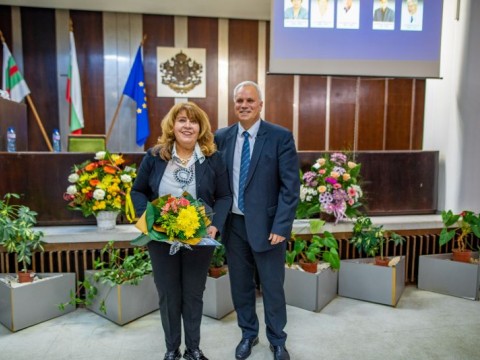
x,y
173,355
279,352
195,354
244,348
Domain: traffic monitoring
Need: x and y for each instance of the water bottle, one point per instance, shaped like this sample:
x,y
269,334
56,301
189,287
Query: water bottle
x,y
57,147
11,140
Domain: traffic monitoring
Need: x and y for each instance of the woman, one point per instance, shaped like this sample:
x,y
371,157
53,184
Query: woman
x,y
296,11
184,159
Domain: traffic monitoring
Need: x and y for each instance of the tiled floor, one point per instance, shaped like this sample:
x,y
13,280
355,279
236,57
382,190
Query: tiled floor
x,y
424,325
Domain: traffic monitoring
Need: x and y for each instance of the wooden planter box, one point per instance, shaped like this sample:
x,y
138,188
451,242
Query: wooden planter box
x,y
125,303
217,297
33,303
310,291
438,273
361,279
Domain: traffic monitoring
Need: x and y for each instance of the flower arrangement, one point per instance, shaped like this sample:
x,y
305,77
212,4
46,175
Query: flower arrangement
x,y
181,221
330,187
101,185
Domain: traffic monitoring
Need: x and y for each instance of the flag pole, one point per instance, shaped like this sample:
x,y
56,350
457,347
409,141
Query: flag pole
x,y
34,110
115,115
39,122
114,119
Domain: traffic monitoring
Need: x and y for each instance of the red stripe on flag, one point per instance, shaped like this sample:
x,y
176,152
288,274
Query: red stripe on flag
x,y
68,95
13,70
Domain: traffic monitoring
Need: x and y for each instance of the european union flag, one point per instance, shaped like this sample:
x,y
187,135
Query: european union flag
x,y
135,88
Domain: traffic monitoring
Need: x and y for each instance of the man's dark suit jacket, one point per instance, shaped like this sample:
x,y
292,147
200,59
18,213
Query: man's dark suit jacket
x,y
211,180
273,183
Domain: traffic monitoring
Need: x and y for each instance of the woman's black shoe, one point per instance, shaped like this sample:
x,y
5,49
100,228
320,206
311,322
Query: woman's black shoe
x,y
196,354
173,355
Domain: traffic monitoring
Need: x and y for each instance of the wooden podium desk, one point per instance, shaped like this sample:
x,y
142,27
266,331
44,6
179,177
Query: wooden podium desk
x,y
13,114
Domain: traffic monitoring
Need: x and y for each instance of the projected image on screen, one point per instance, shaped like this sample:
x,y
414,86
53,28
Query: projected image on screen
x,y
295,13
412,15
348,14
384,15
322,13
391,38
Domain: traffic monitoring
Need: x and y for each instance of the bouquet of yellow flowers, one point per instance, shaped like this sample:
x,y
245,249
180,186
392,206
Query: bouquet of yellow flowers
x,y
101,185
180,221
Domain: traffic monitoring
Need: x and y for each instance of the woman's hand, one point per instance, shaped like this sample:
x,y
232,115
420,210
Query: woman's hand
x,y
212,231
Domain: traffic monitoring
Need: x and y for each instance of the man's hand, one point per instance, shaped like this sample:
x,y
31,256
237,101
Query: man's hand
x,y
275,239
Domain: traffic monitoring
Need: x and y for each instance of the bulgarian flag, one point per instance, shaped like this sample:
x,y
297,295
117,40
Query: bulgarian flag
x,y
12,80
74,91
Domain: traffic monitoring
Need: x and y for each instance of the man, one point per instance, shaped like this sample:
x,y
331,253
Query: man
x,y
263,168
412,15
384,13
348,14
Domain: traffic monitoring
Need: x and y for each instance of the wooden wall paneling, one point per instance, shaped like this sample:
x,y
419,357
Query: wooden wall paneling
x,y
6,28
160,32
88,32
312,113
371,118
418,113
279,100
342,113
399,111
13,177
40,72
203,33
242,56
390,188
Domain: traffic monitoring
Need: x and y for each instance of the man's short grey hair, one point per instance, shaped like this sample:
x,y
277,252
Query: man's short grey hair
x,y
248,83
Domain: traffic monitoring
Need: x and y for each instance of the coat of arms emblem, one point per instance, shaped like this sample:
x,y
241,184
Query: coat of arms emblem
x,y
181,73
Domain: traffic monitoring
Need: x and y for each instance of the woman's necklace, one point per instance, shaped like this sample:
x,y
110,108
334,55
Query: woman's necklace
x,y
184,176
183,161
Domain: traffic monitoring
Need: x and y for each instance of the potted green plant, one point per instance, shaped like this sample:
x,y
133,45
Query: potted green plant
x,y
371,239
17,234
217,298
310,252
104,290
315,286
217,264
460,277
360,278
467,223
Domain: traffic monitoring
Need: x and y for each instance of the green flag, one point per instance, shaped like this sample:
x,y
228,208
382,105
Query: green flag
x,y
13,81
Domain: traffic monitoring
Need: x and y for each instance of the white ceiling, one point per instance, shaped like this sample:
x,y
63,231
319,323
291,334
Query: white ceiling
x,y
233,9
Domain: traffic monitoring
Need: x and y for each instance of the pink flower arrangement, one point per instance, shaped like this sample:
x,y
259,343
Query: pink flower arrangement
x,y
331,187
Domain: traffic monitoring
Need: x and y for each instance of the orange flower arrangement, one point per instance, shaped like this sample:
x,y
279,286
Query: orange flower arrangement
x,y
101,185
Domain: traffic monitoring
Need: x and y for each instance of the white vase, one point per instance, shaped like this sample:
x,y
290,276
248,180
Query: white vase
x,y
106,220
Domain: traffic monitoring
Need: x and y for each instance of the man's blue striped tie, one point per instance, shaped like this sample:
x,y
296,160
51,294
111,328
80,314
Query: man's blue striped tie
x,y
244,164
